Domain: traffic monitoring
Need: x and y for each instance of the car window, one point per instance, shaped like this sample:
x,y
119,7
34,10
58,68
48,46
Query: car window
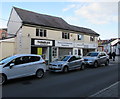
x,y
103,54
92,54
5,60
78,57
23,60
72,59
17,61
65,58
34,58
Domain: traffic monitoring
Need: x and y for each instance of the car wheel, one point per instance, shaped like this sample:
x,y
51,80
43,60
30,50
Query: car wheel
x,y
96,64
82,67
107,63
39,73
65,69
3,79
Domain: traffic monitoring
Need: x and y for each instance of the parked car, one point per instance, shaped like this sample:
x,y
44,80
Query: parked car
x,y
96,58
20,66
68,62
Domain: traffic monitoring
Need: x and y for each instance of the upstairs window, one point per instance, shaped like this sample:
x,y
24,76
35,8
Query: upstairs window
x,y
92,38
41,32
80,37
65,35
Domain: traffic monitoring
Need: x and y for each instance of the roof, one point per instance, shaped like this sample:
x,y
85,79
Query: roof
x,y
29,17
109,41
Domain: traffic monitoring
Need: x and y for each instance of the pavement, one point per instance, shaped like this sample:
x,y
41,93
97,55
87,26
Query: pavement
x,y
112,90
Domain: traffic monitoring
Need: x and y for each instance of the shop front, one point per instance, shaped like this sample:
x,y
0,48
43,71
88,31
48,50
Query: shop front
x,y
64,48
43,48
68,48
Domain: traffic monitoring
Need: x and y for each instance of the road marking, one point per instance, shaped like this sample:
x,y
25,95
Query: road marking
x,y
104,89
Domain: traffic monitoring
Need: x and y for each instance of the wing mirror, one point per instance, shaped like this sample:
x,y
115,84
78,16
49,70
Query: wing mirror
x,y
11,65
98,56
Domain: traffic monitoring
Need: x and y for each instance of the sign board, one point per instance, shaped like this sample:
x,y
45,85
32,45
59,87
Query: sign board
x,y
39,51
64,44
90,45
43,42
80,45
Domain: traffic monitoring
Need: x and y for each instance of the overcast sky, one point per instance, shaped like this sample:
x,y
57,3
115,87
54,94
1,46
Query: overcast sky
x,y
102,17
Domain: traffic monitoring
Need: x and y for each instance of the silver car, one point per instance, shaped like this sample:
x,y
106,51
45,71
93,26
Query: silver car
x,y
21,65
96,58
69,62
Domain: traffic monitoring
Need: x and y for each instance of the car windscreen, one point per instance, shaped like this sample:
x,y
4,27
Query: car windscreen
x,y
92,54
65,58
5,60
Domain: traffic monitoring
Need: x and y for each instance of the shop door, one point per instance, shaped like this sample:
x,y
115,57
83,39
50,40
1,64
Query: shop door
x,y
54,53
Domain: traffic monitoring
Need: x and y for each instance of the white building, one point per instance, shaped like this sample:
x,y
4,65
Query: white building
x,y
49,36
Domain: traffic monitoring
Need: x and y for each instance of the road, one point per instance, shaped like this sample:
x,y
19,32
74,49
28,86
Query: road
x,y
78,83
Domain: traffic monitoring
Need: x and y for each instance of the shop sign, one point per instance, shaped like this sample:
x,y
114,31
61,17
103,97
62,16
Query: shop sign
x,y
81,45
43,42
63,44
90,46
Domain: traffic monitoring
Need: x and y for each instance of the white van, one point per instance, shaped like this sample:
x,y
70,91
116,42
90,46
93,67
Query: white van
x,y
21,65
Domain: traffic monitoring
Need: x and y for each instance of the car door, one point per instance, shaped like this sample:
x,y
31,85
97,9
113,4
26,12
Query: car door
x,y
72,62
34,64
104,58
78,61
101,58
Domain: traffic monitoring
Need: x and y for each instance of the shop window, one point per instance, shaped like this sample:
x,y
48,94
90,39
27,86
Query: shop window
x,y
41,32
92,38
65,35
80,37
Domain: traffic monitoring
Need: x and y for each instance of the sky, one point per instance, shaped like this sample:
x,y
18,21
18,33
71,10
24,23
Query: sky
x,y
102,17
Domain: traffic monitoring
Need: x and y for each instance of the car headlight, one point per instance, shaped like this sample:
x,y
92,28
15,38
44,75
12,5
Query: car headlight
x,y
60,65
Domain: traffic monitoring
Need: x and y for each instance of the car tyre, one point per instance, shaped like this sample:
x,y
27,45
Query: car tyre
x,y
3,79
65,69
39,73
82,67
107,63
95,64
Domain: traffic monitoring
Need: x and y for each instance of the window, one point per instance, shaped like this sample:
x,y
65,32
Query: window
x,y
102,54
16,61
92,38
54,51
80,37
41,32
79,52
34,58
26,59
92,54
78,57
72,59
65,35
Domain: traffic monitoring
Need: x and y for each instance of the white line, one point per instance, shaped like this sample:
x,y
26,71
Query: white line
x,y
104,89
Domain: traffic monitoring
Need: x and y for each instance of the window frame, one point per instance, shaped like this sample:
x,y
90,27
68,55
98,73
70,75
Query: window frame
x,y
92,38
65,35
41,32
78,38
